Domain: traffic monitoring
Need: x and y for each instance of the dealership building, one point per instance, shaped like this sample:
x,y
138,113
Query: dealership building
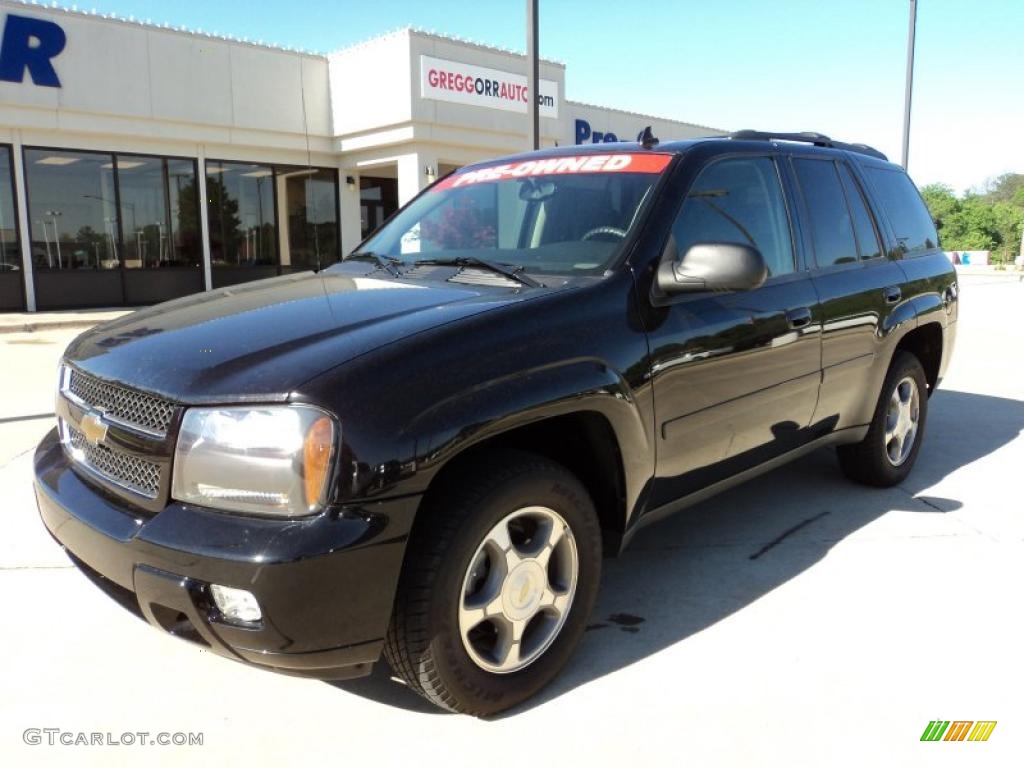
x,y
141,162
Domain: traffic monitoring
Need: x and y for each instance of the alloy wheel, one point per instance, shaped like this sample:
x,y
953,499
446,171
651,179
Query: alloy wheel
x,y
901,421
518,590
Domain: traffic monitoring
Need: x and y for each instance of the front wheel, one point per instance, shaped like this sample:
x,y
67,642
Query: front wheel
x,y
888,452
501,575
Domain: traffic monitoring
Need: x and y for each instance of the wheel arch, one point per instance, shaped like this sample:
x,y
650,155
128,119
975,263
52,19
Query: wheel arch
x,y
925,343
582,441
581,413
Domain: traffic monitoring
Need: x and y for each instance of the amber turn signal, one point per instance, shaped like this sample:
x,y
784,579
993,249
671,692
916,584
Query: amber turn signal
x,y
316,459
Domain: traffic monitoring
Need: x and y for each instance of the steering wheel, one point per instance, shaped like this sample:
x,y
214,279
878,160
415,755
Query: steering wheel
x,y
614,231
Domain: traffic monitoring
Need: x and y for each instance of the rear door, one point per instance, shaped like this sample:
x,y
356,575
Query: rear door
x,y
735,375
859,285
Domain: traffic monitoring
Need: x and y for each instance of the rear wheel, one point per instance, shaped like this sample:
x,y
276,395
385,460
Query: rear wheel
x,y
888,452
501,574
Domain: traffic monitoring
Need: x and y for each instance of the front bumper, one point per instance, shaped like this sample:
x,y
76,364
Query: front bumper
x,y
325,584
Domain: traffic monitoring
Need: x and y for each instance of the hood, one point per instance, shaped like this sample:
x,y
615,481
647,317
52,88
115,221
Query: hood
x,y
259,341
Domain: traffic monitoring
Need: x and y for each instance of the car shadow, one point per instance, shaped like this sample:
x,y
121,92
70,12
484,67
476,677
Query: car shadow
x,y
688,572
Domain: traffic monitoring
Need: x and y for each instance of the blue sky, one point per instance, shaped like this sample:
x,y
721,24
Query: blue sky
x,y
834,67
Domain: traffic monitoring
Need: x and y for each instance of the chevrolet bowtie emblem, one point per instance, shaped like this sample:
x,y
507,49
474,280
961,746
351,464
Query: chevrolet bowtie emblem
x,y
94,428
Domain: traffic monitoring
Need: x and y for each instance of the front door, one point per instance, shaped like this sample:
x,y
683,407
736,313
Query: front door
x,y
378,199
735,375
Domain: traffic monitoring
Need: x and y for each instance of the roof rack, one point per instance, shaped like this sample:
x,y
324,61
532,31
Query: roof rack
x,y
807,137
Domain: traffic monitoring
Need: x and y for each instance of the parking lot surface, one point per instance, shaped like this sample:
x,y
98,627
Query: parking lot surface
x,y
797,620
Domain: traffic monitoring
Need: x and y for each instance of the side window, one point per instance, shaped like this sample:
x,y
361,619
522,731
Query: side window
x,y
831,223
867,238
903,206
738,200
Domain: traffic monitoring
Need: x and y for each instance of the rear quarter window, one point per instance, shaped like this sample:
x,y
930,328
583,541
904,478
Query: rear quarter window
x,y
905,210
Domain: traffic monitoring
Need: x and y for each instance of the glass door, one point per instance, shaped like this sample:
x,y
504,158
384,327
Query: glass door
x,y
378,199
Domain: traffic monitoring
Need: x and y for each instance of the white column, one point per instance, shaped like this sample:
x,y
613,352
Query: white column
x,y
348,211
412,174
204,218
21,196
283,238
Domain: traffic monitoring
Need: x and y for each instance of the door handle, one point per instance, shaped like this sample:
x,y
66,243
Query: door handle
x,y
799,318
893,294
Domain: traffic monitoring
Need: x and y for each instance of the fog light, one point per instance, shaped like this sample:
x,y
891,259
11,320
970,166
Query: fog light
x,y
236,604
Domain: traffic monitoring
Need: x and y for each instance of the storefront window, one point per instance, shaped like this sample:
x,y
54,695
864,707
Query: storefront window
x,y
72,210
183,199
106,227
309,205
241,214
158,212
10,256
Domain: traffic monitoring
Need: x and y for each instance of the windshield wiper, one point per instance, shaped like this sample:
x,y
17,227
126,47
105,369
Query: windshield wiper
x,y
388,263
514,272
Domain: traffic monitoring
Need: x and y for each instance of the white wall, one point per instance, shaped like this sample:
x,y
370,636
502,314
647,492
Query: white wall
x,y
370,86
121,78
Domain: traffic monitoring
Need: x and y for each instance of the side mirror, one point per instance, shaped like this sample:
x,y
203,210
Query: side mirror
x,y
713,267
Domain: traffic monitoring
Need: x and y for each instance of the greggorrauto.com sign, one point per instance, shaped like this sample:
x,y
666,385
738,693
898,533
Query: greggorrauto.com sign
x,y
445,80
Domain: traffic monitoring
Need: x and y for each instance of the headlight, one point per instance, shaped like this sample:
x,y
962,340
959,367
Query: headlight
x,y
271,460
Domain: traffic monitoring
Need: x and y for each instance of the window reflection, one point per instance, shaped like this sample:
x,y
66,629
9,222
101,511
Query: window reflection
x,y
265,220
72,210
309,203
74,198
10,259
105,212
159,216
241,214
10,256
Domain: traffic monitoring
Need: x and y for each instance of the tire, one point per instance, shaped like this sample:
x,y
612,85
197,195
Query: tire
x,y
453,553
875,460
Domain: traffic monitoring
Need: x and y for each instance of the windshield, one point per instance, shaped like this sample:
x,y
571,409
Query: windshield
x,y
558,215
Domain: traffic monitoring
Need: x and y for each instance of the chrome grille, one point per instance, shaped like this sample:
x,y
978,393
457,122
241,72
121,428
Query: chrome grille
x,y
135,474
126,405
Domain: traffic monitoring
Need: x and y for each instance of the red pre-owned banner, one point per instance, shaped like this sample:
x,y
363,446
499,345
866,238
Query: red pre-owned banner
x,y
634,162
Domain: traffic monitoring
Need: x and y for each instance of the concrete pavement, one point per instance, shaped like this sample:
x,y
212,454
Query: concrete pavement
x,y
718,639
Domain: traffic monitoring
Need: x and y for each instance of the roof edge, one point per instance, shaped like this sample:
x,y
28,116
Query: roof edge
x,y
148,24
434,35
572,103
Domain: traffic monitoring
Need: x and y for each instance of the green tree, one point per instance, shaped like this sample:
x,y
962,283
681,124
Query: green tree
x,y
225,223
941,200
1005,188
942,204
1009,222
974,227
991,221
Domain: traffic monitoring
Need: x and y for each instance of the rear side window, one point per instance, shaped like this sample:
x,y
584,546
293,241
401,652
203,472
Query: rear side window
x,y
831,223
903,206
738,200
867,238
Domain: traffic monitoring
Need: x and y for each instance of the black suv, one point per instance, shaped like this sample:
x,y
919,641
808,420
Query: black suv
x,y
425,449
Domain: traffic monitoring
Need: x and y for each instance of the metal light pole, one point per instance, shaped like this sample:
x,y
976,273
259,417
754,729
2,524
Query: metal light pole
x,y
910,81
533,76
56,236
